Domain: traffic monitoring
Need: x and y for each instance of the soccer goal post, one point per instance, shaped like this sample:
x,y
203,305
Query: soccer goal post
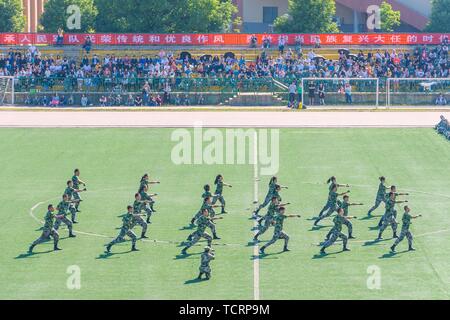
x,y
363,92
420,92
6,90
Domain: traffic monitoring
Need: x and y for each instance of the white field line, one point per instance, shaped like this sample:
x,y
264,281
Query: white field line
x,y
255,198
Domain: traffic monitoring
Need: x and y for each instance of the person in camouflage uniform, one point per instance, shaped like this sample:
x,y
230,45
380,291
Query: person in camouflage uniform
x,y
71,192
61,217
393,189
344,205
202,223
267,220
336,232
332,182
381,196
390,216
206,204
149,202
278,232
406,222
268,199
137,218
48,231
145,182
218,196
205,259
331,204
76,185
127,225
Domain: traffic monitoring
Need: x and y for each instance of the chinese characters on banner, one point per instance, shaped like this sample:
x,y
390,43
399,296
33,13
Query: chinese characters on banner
x,y
217,39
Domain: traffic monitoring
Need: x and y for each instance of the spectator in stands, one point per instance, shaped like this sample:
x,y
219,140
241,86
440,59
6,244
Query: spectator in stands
x,y
71,100
60,37
311,92
281,44
55,101
102,101
84,101
348,93
321,94
253,41
130,100
87,46
138,101
292,91
441,101
201,100
266,42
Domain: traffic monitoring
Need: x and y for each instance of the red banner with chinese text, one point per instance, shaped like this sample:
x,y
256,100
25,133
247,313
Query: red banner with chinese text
x,y
221,39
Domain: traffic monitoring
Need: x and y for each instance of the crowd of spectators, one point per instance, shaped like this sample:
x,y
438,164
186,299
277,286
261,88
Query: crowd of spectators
x,y
443,127
287,65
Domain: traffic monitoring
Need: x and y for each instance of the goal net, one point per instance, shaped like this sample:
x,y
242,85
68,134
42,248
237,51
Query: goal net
x,y
6,90
418,92
354,92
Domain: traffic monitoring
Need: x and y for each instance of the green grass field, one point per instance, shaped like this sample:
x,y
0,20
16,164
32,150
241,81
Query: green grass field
x,y
35,163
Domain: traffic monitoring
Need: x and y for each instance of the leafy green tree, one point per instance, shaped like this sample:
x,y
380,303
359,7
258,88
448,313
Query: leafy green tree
x,y
308,16
389,17
440,16
57,15
11,16
164,16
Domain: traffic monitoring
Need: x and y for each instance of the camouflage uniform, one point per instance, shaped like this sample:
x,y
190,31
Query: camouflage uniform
x,y
48,231
143,184
268,218
204,264
278,232
268,198
328,204
147,206
70,193
381,197
389,206
76,195
389,218
63,210
202,224
218,195
331,206
336,233
406,222
127,225
137,219
343,205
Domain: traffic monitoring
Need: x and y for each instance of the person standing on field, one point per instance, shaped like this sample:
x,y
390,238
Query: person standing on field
x,y
127,225
206,257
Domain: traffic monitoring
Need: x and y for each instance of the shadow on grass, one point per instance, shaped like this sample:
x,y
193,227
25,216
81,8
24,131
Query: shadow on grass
x,y
188,227
31,255
326,255
187,256
316,228
374,242
392,254
196,280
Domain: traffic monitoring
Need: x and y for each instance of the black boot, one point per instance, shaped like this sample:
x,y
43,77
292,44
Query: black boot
x,y
30,249
143,236
411,248
215,237
393,249
133,248
395,235
350,236
345,249
108,249
184,251
322,251
285,249
379,237
200,276
55,248
71,235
